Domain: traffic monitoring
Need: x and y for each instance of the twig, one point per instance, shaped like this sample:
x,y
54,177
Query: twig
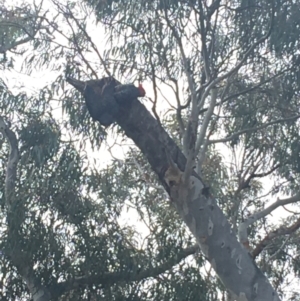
x,y
237,134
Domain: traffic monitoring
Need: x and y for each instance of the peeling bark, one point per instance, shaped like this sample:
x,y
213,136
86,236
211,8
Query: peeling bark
x,y
192,199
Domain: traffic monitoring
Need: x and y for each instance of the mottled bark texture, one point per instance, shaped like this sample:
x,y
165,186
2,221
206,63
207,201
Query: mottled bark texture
x,y
194,203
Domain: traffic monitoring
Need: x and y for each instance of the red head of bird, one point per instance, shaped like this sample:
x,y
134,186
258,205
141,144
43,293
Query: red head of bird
x,y
142,90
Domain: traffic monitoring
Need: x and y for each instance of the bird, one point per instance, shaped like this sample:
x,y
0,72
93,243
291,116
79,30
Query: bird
x,y
103,108
104,97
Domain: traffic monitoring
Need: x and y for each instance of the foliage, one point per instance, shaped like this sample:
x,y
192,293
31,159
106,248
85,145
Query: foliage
x,y
70,215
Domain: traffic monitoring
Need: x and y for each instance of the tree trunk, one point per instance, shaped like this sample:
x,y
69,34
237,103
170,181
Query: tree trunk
x,y
196,206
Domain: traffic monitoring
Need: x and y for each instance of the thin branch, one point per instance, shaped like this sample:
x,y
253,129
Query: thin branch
x,y
30,35
290,211
108,279
245,182
242,231
154,85
252,201
237,134
179,107
189,139
278,203
202,150
235,95
78,48
283,230
239,64
279,249
4,48
207,119
203,40
223,100
92,44
186,66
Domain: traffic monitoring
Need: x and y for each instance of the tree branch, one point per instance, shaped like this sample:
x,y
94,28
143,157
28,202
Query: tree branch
x,y
108,279
207,119
242,231
13,159
283,230
92,44
189,138
238,65
237,134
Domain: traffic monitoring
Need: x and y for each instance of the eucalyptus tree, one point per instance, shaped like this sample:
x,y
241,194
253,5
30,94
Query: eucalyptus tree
x,y
226,75
63,233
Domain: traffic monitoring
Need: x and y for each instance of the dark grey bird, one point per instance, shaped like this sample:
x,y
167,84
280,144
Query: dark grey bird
x,y
99,98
